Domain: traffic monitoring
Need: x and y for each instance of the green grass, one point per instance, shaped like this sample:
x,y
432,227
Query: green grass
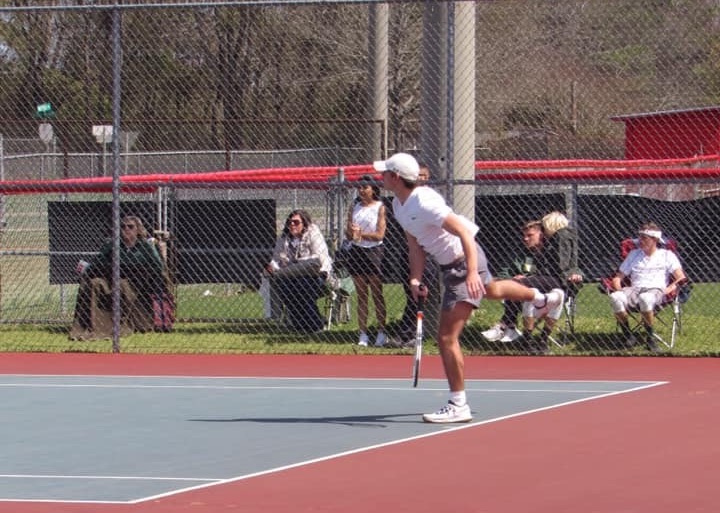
x,y
232,323
35,316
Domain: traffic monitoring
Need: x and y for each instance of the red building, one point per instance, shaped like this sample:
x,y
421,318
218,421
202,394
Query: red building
x,y
669,135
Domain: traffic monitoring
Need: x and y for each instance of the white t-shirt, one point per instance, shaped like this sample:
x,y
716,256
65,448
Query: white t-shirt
x,y
422,216
366,216
650,272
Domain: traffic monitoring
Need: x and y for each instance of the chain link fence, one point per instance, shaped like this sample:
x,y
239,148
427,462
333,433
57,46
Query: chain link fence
x,y
214,123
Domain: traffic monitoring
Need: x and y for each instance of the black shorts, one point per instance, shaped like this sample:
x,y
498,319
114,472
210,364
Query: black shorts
x,y
365,261
541,282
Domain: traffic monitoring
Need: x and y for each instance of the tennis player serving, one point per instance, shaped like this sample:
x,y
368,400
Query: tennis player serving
x,y
431,226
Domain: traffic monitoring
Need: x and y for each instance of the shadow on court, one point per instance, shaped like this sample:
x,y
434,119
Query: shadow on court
x,y
368,421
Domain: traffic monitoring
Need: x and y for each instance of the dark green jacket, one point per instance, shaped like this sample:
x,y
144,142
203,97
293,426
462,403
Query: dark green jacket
x,y
562,251
558,258
140,265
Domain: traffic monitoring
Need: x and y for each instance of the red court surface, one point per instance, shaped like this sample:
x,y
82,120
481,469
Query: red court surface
x,y
654,450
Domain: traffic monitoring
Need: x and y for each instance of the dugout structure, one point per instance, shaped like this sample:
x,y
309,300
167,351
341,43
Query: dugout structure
x,y
210,241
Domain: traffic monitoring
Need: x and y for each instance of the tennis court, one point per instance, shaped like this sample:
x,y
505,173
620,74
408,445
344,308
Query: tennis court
x,y
314,433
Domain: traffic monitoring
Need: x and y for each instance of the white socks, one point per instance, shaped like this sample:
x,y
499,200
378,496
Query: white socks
x,y
458,398
540,299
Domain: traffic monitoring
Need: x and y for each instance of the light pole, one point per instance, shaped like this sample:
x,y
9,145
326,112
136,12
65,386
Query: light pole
x,y
103,135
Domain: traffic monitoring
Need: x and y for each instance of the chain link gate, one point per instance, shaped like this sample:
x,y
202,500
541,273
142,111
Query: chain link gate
x,y
235,115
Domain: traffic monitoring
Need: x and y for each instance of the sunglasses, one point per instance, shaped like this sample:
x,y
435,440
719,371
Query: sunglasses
x,y
294,222
128,226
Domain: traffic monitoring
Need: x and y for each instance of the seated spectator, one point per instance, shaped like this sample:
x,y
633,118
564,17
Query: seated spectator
x,y
653,272
365,229
531,269
548,264
298,271
141,276
562,255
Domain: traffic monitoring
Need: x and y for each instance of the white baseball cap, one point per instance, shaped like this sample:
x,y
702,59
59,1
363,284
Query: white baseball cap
x,y
403,164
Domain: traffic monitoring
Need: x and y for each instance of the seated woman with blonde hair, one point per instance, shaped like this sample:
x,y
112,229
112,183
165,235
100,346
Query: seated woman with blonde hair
x,y
141,276
562,255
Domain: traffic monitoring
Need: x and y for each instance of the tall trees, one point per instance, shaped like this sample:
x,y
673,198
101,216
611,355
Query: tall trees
x,y
269,77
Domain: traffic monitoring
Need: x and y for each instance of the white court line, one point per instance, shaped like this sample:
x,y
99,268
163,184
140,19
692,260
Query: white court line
x,y
449,429
306,378
93,478
208,482
441,384
295,387
143,478
59,501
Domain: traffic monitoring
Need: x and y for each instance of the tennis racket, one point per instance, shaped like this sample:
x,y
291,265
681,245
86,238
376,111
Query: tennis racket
x,y
418,340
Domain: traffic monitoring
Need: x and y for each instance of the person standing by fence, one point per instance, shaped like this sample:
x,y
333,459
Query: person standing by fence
x,y
365,229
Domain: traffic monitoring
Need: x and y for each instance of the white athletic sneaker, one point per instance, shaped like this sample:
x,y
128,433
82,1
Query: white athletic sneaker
x,y
381,339
449,413
364,340
511,335
495,333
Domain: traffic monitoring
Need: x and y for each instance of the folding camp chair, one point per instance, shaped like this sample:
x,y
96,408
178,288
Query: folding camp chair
x,y
338,304
566,329
668,313
668,326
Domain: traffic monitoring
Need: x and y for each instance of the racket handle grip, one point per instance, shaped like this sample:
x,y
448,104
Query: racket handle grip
x,y
421,299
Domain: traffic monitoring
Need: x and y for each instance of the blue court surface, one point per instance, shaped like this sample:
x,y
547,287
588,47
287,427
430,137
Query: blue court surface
x,y
130,439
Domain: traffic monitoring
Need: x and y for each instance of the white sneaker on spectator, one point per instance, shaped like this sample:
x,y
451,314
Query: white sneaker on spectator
x,y
511,335
451,412
364,340
495,333
381,339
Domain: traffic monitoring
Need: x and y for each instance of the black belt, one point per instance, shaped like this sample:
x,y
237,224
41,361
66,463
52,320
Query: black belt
x,y
453,264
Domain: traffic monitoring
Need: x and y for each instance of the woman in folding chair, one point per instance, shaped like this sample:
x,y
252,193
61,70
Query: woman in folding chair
x,y
298,271
141,276
653,273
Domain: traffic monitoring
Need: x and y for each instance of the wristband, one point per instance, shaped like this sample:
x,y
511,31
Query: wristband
x,y
415,282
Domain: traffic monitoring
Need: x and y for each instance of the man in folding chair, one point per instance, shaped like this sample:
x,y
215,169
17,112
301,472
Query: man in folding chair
x,y
653,272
